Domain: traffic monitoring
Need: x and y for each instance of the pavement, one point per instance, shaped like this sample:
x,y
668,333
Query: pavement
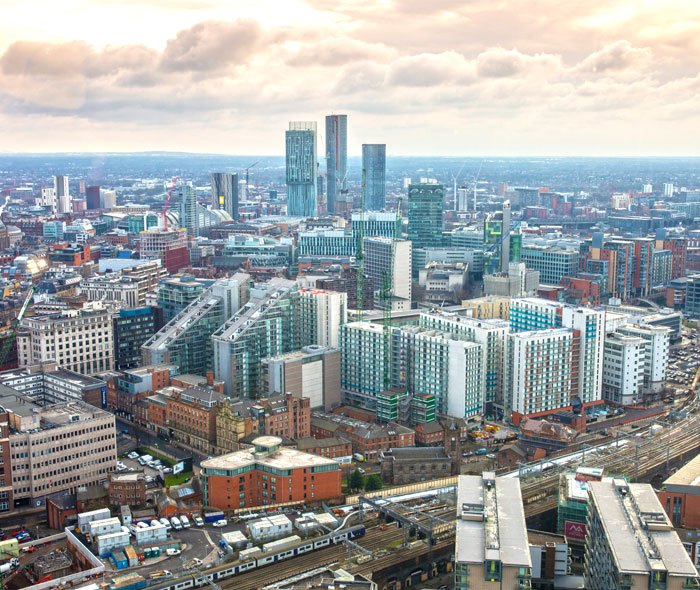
x,y
143,436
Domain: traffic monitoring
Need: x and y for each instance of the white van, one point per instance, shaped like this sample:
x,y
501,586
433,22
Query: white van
x,y
185,522
143,459
175,521
166,523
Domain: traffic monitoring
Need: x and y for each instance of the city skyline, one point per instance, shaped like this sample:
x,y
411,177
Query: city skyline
x,y
614,78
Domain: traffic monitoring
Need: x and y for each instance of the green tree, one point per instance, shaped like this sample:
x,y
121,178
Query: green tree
x,y
357,480
373,483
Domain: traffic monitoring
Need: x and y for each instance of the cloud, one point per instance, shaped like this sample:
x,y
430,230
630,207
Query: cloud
x,y
429,69
504,63
334,51
212,45
616,57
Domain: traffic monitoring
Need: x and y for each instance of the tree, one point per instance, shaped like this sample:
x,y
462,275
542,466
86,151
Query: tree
x,y
373,483
357,480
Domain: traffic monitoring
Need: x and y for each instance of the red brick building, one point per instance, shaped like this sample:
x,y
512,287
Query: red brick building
x,y
268,474
127,489
430,434
332,448
191,416
680,496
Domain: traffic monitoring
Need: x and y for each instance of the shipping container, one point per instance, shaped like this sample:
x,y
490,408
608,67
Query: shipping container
x,y
270,528
249,553
105,526
235,539
128,582
106,544
131,556
120,562
84,518
281,543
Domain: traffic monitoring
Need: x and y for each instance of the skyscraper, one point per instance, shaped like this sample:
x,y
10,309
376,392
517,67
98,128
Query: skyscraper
x,y
425,205
374,175
224,192
505,244
92,197
189,219
336,159
60,184
302,199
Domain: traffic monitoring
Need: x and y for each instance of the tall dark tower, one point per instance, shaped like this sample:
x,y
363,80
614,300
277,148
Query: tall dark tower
x,y
224,192
336,160
374,171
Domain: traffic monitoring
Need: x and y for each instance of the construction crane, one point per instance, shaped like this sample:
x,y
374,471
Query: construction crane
x,y
167,202
9,341
455,179
386,298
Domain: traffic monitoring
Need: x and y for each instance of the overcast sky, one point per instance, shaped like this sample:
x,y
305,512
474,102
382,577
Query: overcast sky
x,y
428,77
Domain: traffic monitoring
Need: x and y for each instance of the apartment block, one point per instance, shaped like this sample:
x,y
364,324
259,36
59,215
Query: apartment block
x,y
388,266
168,246
657,340
491,544
623,368
630,541
79,340
552,262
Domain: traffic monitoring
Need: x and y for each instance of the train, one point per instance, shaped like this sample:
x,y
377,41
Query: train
x,y
228,570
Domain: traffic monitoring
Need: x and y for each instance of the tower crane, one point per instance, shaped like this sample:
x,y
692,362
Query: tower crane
x,y
11,338
167,202
247,176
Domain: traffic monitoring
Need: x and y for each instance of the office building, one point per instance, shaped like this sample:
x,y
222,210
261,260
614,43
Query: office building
x,y
92,197
376,224
186,199
425,206
109,199
491,544
336,162
224,193
186,339
388,266
79,439
631,543
374,176
79,340
539,370
62,194
692,296
327,242
505,237
190,416
46,385
680,497
552,262
301,169
133,327
519,281
268,474
53,231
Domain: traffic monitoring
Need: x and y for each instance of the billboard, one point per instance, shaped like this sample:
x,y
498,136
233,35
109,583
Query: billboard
x,y
574,530
184,466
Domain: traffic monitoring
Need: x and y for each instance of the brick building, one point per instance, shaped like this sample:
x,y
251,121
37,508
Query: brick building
x,y
680,496
332,448
414,464
430,434
367,439
191,416
268,474
127,489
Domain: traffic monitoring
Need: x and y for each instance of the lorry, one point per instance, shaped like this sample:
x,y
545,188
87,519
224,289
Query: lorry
x,y
213,516
9,566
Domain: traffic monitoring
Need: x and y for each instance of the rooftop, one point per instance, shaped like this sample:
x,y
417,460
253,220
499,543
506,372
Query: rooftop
x,y
318,443
688,475
492,523
415,454
282,458
639,533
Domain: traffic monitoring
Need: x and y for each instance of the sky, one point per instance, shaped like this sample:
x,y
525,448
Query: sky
x,y
426,77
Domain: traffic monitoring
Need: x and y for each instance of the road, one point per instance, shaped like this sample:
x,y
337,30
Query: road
x,y
145,437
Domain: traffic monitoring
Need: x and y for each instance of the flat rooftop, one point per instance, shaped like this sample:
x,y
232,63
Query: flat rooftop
x,y
627,517
496,527
687,476
282,458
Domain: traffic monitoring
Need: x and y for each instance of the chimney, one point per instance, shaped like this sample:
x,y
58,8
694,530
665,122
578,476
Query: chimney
x,y
210,378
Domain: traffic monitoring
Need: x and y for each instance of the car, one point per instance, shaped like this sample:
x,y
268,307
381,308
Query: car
x,y
198,520
185,522
175,521
166,523
172,552
150,479
220,523
29,549
196,561
155,522
133,455
168,470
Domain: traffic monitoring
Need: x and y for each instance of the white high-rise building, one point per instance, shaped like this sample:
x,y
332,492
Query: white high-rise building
x,y
62,192
623,368
668,189
323,312
47,199
539,370
108,198
388,259
657,340
589,329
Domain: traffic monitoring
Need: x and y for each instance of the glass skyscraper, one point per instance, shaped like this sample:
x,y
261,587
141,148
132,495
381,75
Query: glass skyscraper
x,y
336,159
224,192
374,175
301,169
425,205
189,218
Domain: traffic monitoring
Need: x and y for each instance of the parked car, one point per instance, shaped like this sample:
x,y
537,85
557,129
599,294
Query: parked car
x,y
171,552
220,523
198,520
133,455
168,470
175,521
166,523
185,522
